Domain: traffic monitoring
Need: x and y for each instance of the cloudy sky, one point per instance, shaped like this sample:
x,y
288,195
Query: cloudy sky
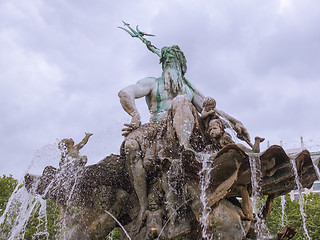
x,y
62,63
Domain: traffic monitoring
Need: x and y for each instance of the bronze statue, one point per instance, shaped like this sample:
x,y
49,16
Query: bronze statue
x,y
154,217
70,152
215,125
152,189
174,105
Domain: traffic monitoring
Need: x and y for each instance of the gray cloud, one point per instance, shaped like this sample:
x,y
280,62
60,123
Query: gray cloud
x,y
63,62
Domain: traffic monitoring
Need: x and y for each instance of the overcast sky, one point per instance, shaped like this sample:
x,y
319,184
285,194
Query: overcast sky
x,y
62,63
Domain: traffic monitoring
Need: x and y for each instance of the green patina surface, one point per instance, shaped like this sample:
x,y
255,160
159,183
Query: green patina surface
x,y
162,95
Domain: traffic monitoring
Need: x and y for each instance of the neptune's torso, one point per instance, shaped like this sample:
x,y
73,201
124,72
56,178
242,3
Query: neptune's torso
x,y
159,101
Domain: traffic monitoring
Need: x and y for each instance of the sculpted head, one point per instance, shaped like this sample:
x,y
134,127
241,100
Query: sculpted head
x,y
173,57
209,103
153,201
174,66
65,143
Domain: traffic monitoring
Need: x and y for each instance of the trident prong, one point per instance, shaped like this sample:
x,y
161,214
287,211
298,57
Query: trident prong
x,y
131,34
143,33
139,34
127,24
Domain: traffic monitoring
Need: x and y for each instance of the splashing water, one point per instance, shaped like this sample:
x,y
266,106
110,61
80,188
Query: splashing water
x,y
175,212
48,155
23,206
69,187
283,208
175,195
301,198
114,218
204,184
315,167
255,167
20,208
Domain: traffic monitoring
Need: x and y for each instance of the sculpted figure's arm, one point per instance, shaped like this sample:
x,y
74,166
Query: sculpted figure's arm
x,y
208,107
237,126
197,100
127,99
83,142
205,113
241,131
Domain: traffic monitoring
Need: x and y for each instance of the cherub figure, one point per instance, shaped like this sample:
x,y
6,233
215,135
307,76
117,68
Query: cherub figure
x,y
216,126
153,216
70,152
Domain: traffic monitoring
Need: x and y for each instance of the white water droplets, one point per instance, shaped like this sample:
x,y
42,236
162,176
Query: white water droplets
x,y
283,208
204,184
20,208
260,227
25,205
301,198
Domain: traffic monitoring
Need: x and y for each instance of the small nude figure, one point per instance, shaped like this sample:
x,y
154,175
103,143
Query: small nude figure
x,y
70,152
153,217
214,124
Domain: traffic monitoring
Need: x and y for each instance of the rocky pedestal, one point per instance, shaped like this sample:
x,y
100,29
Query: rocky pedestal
x,y
104,189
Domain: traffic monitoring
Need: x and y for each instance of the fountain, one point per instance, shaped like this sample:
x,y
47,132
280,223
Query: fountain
x,y
178,177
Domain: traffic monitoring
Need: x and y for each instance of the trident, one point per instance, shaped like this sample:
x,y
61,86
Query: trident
x,y
139,34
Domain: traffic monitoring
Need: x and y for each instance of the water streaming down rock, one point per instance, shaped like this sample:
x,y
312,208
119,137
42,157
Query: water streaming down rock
x,y
224,179
43,221
204,184
283,208
314,161
301,198
260,227
66,180
175,196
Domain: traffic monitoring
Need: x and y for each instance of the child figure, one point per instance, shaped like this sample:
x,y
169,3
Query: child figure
x,y
70,152
216,126
153,217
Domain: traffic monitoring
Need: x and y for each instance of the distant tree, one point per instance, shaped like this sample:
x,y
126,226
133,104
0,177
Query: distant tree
x,y
313,215
45,226
54,219
48,224
274,221
293,215
7,185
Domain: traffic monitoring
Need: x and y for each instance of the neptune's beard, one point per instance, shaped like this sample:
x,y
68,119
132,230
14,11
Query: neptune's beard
x,y
173,81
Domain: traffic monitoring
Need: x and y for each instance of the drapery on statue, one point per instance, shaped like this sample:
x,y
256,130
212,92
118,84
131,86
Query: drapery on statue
x,y
153,187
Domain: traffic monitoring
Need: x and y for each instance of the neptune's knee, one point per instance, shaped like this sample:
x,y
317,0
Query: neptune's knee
x,y
180,101
131,146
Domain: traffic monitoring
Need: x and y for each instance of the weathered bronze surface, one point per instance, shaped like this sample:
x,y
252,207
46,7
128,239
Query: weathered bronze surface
x,y
153,186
